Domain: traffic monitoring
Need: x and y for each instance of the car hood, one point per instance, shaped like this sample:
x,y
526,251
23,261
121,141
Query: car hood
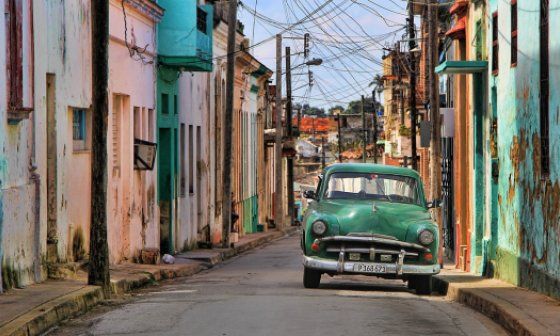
x,y
358,216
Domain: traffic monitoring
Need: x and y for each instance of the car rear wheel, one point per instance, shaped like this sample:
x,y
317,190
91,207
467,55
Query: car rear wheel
x,y
410,283
421,283
311,278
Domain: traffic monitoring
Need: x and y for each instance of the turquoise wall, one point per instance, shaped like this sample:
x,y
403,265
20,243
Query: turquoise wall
x,y
180,43
528,228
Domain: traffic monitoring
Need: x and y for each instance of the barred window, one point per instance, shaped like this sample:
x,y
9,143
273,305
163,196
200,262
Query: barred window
x,y
513,32
495,46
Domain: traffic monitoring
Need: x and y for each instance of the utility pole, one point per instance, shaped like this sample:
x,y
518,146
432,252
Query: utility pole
x,y
323,163
374,126
339,138
401,68
290,159
435,145
364,130
412,77
278,199
299,120
99,248
228,124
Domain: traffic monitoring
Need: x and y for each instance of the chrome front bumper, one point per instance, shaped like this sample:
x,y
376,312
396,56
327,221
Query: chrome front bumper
x,y
339,267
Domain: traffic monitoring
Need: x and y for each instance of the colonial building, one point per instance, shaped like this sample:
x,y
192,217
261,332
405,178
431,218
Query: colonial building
x,y
506,164
522,143
23,240
166,91
131,196
251,78
184,49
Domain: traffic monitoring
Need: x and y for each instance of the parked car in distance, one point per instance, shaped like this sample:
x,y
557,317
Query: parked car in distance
x,y
370,219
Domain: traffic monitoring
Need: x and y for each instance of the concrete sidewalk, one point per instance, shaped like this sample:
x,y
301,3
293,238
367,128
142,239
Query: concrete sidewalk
x,y
37,308
518,310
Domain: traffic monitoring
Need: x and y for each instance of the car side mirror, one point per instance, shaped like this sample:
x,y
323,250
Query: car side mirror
x,y
434,204
309,194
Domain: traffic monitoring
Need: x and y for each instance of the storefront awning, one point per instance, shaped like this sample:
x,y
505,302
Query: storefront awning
x,y
458,7
458,30
461,67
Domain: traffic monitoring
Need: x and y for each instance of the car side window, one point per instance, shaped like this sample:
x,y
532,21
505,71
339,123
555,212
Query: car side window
x,y
319,186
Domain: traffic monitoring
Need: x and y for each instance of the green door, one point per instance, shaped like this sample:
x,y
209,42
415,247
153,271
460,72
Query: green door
x,y
480,175
494,179
168,122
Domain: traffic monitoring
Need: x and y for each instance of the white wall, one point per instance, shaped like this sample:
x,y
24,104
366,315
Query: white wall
x,y
194,110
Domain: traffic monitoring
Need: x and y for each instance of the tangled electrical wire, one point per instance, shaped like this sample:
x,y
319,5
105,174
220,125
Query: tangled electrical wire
x,y
136,53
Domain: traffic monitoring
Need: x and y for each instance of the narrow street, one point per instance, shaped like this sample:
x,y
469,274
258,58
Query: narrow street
x,y
260,293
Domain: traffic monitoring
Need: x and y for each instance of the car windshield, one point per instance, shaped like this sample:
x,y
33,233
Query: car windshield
x,y
382,187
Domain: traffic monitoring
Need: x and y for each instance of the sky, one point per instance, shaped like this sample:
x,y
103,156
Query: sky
x,y
349,35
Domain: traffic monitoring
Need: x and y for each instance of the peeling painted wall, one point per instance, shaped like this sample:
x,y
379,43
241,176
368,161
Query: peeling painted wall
x,y
528,235
19,230
133,214
63,51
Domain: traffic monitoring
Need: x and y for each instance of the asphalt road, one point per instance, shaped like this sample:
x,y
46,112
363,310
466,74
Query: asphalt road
x,y
261,293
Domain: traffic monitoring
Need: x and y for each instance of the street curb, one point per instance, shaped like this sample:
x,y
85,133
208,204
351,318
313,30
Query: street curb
x,y
45,316
513,320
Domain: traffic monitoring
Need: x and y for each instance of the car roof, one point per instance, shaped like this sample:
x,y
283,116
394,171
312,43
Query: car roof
x,y
370,168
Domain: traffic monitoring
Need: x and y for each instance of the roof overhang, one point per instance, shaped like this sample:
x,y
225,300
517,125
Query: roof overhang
x,y
461,67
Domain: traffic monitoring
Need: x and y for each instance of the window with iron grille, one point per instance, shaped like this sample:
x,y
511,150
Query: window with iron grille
x,y
513,33
545,87
201,17
495,46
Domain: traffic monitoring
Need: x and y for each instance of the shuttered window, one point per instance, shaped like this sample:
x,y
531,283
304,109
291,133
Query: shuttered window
x,y
545,87
513,33
495,46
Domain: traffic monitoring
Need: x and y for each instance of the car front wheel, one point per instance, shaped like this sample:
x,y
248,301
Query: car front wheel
x,y
421,283
311,278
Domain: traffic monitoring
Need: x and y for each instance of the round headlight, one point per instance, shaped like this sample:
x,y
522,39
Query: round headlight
x,y
426,237
319,228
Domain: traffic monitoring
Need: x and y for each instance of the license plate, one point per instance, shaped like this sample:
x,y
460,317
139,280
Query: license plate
x,y
370,268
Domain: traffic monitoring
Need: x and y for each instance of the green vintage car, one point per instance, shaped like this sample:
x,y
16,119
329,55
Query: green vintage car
x,y
370,219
